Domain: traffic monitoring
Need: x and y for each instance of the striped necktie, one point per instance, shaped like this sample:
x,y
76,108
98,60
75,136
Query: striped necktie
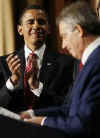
x,y
30,98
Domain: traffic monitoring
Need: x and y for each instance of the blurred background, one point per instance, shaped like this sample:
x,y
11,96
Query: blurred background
x,y
9,14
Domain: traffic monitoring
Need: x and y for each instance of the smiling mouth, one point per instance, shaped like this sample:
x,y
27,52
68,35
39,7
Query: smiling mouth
x,y
37,34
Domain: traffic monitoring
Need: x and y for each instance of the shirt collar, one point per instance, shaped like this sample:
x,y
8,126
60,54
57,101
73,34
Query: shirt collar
x,y
38,52
91,47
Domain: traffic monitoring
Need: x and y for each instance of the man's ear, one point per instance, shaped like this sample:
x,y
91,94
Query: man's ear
x,y
79,29
20,30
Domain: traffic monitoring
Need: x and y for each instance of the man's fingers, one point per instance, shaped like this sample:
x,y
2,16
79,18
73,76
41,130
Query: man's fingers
x,y
14,63
36,120
17,68
24,115
9,57
13,59
27,114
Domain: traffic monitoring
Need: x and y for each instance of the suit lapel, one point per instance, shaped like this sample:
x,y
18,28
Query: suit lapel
x,y
49,66
21,55
22,58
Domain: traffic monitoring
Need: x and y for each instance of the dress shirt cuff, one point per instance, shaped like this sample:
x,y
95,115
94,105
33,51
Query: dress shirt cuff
x,y
43,120
9,85
38,91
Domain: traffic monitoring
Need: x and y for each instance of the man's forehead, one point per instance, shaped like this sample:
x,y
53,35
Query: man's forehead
x,y
62,27
34,12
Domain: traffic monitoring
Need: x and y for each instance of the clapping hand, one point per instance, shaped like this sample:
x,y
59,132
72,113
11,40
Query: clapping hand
x,y
14,64
32,72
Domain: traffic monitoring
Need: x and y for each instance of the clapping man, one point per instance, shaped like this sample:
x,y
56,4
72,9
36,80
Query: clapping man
x,y
32,77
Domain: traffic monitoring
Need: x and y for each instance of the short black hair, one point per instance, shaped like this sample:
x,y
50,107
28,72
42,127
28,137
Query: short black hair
x,y
30,7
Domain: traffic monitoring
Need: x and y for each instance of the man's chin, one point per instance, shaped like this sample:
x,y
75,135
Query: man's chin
x,y
38,43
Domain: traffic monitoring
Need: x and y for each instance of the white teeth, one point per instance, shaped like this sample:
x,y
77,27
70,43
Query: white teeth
x,y
36,32
33,31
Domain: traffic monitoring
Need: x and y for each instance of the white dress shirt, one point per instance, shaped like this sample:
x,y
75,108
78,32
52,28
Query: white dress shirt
x,y
39,53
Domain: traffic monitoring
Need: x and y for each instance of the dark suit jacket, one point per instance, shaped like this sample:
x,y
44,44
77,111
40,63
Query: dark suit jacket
x,y
52,74
81,116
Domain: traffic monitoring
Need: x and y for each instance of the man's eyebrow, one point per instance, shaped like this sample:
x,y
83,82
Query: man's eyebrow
x,y
38,16
30,19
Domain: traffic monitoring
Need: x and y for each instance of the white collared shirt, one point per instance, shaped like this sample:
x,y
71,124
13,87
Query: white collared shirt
x,y
91,47
39,53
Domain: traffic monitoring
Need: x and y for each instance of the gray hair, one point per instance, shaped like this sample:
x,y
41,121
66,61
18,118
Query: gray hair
x,y
80,13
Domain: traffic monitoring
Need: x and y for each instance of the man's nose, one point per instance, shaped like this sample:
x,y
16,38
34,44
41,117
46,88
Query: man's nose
x,y
35,24
63,44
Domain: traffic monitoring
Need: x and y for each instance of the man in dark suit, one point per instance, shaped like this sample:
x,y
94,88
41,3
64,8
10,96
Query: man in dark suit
x,y
52,66
80,31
